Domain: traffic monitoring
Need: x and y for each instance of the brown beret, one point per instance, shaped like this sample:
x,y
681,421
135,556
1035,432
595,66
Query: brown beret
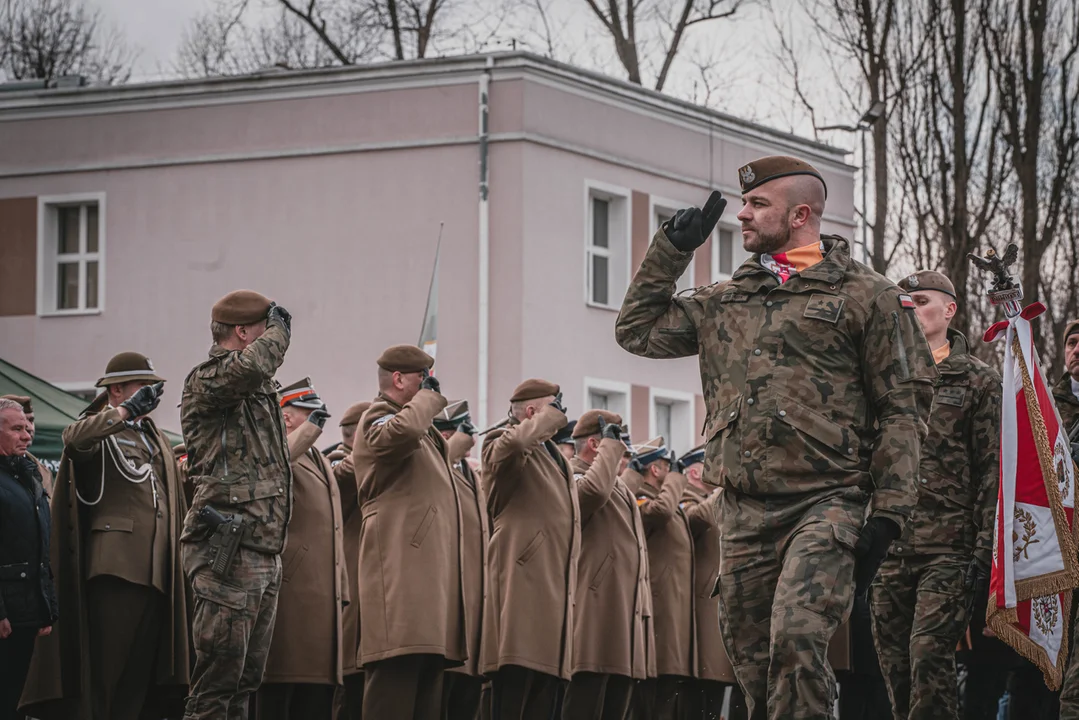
x,y
354,413
588,424
1073,328
928,280
774,167
128,366
27,404
241,307
406,359
534,388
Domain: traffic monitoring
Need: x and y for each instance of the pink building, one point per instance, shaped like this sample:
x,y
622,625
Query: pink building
x,y
126,212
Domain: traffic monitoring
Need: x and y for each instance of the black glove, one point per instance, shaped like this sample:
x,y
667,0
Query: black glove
x,y
871,550
143,402
319,416
430,382
557,404
467,428
976,576
609,430
689,228
676,464
636,466
281,316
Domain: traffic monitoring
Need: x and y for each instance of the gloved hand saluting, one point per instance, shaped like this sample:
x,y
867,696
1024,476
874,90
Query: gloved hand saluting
x,y
280,316
430,382
689,228
871,550
144,401
609,430
557,404
318,417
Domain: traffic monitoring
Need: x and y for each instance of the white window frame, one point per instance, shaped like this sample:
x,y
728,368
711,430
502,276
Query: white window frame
x,y
47,255
623,196
687,439
666,206
608,387
736,234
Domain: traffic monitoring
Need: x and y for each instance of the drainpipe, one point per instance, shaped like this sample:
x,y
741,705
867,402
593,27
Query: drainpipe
x,y
484,248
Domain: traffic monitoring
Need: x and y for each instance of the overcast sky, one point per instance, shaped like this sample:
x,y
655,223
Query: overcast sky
x,y
748,82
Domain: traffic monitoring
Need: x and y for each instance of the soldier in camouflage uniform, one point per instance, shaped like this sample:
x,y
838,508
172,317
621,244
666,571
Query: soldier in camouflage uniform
x,y
818,383
238,463
1066,396
922,597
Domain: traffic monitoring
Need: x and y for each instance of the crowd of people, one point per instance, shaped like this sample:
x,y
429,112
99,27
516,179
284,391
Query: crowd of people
x,y
849,471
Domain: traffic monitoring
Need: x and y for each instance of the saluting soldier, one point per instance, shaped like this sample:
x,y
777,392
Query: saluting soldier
x,y
411,605
116,526
612,644
305,664
28,410
818,383
670,533
349,703
714,671
532,557
238,463
564,440
463,686
922,596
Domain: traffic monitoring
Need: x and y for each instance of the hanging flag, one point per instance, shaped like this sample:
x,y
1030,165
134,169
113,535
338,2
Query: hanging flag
x,y
429,334
1035,567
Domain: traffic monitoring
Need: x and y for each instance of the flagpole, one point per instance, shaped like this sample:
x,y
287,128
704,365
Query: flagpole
x,y
431,287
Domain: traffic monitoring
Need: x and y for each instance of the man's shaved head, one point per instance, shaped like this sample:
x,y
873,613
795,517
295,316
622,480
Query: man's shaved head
x,y
782,214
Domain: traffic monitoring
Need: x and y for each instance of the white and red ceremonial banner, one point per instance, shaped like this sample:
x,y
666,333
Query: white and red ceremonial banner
x,y
1035,566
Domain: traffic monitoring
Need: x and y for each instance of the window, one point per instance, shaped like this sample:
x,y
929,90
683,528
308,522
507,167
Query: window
x,y
671,418
71,252
607,248
607,395
663,213
727,253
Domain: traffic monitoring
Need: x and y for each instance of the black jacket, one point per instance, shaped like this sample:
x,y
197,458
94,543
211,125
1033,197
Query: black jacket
x,y
27,596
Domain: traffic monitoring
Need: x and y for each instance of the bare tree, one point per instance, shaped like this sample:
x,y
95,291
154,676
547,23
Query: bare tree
x,y
637,27
951,164
1036,43
45,39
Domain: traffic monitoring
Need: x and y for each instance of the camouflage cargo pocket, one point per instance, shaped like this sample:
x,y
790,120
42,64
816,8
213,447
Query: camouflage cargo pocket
x,y
220,615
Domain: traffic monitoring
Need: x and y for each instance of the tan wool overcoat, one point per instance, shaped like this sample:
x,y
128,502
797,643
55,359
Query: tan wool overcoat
x,y
713,663
534,548
611,634
410,540
345,474
475,536
306,645
673,575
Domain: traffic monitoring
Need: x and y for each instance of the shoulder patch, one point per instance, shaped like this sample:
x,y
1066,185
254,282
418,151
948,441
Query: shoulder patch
x,y
641,500
383,420
906,301
578,476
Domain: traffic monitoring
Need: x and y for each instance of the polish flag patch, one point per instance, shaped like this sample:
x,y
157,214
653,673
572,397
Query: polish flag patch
x,y
906,301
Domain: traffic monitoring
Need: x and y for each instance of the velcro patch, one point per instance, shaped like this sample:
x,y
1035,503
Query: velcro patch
x,y
732,296
906,301
824,307
954,396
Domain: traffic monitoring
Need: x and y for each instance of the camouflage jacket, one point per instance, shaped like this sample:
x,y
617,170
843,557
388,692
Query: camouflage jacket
x,y
237,453
820,382
1067,403
960,465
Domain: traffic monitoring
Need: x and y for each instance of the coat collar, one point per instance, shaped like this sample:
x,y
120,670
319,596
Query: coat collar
x,y
958,359
1062,391
831,269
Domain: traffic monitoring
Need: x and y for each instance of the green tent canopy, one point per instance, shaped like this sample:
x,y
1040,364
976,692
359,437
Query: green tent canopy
x,y
54,409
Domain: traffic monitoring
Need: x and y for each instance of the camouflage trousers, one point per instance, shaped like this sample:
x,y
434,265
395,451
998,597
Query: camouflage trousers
x,y
920,610
232,627
1069,691
787,582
